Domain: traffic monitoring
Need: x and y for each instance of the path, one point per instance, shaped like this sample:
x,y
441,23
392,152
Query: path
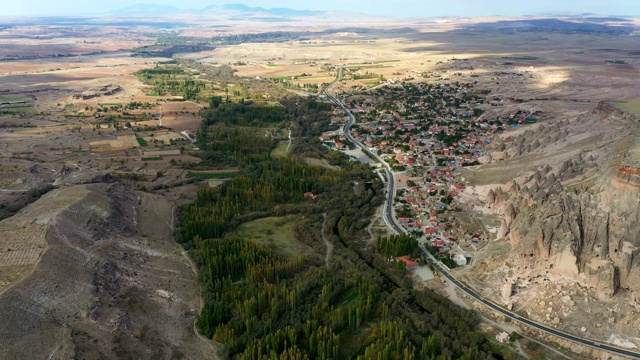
x,y
327,243
290,138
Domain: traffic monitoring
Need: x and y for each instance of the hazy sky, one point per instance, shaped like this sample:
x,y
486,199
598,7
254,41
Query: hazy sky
x,y
415,8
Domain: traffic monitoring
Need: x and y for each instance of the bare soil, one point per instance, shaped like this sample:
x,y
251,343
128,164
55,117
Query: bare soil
x,y
108,281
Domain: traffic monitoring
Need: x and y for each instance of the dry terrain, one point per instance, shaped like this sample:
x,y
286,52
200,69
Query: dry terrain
x,y
95,270
90,270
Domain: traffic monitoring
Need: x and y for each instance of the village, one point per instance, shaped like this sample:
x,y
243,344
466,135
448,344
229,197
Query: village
x,y
428,133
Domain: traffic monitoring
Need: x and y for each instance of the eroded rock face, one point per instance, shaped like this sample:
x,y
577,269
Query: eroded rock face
x,y
507,290
578,218
573,236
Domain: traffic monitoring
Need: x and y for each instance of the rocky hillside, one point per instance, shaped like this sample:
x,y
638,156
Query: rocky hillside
x,y
108,281
571,218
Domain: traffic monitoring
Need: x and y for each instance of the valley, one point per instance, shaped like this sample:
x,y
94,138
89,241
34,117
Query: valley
x,y
137,161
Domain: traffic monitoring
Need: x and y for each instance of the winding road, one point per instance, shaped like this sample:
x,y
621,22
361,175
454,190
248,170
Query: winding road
x,y
391,222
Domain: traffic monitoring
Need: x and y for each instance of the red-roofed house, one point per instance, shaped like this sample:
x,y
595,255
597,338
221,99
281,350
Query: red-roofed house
x,y
410,264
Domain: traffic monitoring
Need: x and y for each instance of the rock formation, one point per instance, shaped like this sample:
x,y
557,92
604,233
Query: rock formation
x,y
578,219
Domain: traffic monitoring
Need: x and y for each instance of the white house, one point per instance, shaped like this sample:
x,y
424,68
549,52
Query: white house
x,y
503,337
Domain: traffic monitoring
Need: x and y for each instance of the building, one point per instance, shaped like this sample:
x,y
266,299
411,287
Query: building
x,y
409,264
503,337
460,259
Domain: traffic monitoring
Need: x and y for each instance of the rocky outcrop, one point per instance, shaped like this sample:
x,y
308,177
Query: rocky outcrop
x,y
107,90
628,175
606,109
577,218
589,238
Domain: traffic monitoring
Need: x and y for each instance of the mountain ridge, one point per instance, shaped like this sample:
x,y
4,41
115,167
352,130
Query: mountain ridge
x,y
153,9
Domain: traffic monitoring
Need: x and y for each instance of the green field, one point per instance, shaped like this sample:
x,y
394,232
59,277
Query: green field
x,y
203,176
156,158
18,109
7,99
281,149
276,233
142,142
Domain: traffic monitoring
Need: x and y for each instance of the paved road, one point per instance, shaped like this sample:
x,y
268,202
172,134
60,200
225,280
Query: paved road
x,y
392,223
391,181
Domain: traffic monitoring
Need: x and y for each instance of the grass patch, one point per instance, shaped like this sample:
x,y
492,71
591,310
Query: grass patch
x,y
142,141
155,158
68,106
280,149
275,232
320,162
153,94
9,99
204,176
372,83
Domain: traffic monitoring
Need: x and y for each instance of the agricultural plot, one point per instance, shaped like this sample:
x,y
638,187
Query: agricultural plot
x,y
121,142
142,142
163,137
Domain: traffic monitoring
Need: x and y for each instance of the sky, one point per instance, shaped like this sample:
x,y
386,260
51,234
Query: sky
x,y
411,8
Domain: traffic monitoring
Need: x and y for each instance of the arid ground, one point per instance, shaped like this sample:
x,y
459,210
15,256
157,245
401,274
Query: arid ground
x,y
91,268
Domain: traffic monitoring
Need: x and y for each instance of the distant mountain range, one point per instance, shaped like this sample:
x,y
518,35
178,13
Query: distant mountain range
x,y
147,9
152,9
590,25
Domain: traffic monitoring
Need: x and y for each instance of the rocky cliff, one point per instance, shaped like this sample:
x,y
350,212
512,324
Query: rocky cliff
x,y
577,213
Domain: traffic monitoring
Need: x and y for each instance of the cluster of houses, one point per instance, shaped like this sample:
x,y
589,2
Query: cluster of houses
x,y
427,132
